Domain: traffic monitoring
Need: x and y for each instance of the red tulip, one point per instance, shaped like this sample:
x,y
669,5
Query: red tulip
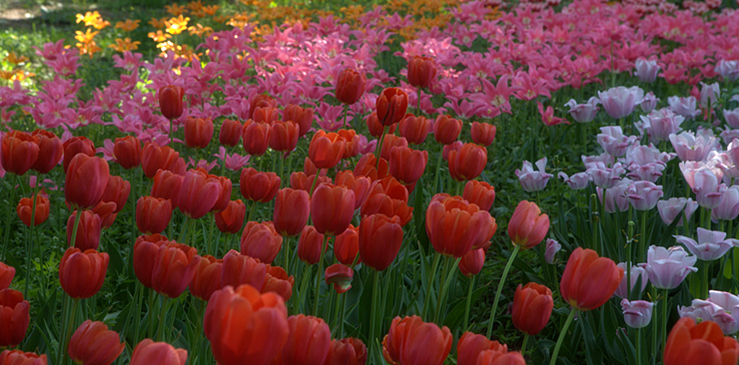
x,y
74,146
376,128
292,209
7,273
87,178
88,230
117,191
267,115
261,241
390,142
532,307
277,281
447,129
391,105
18,357
174,268
411,341
589,281
153,214
492,357
326,149
245,327
261,101
414,128
454,227
14,317
127,151
300,181
407,165
340,276
468,163
93,344
483,133
231,219
703,343
347,351
332,209
207,278
480,193
359,184
198,195
230,134
198,132
366,166
82,273
351,148
309,245
350,86
470,346
388,197
302,116
167,185
170,101
256,137
346,246
148,352
309,341
421,71
51,150
106,212
528,226
472,262
310,169
240,269
25,210
283,136
454,146
258,186
380,238
144,256
154,157
224,193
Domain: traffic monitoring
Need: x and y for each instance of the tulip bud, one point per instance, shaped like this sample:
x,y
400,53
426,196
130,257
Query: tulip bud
x,y
198,132
309,245
552,247
13,357
326,149
207,278
350,86
261,101
82,273
25,210
472,262
153,214
117,191
468,162
256,137
261,241
87,178
230,133
480,193
528,226
240,269
93,343
346,246
19,152
50,152
231,219
391,106
277,281
376,128
167,185
637,314
347,351
413,341
483,133
703,343
7,273
292,209
258,186
421,71
340,276
532,306
170,101
75,146
589,281
447,129
198,194
88,230
127,151
154,158
332,209
414,129
283,136
302,116
380,238
174,268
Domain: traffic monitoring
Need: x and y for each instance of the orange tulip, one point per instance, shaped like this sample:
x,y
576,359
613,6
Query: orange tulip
x,y
332,209
292,209
366,166
198,132
77,145
483,133
376,128
256,137
380,238
347,351
154,157
480,193
300,181
267,115
528,226
277,281
167,185
174,268
144,255
421,71
127,151
532,306
454,227
198,194
117,191
390,142
283,136
589,281
19,152
407,165
170,101
470,346
148,352
261,101
82,273
340,276
309,341
153,214
25,210
346,246
14,316
18,357
703,343
411,341
92,343
472,262
447,129
7,273
207,278
240,269
391,105
309,245
230,134
246,327
51,150
261,241
302,116
350,86
326,149
414,128
468,163
359,184
258,186
88,230
231,219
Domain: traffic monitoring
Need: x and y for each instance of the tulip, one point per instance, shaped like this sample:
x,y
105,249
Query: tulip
x,y
468,162
308,343
117,191
636,274
732,117
75,146
391,141
637,314
552,247
692,147
421,72
326,150
25,211
301,181
376,128
292,209
51,150
708,192
351,147
332,208
589,281
711,245
153,214
644,195
14,316
447,129
127,151
407,165
144,256
615,199
480,193
174,268
87,178
646,70
454,227
347,351
649,102
727,69
350,86
230,133
380,238
93,344
340,276
7,273
662,123
258,186
88,230
728,208
528,226
309,245
207,278
256,137
231,219
670,209
483,133
149,352
277,281
82,273
198,132
346,246
283,136
170,101
224,193
267,115
620,101
709,94
703,343
472,262
531,180
154,157
240,269
720,307
613,141
261,241
261,101
414,128
667,268
366,166
302,116
411,341
470,346
106,212
389,197
359,184
532,306
391,106
491,357
244,326
583,113
198,195
18,357
167,185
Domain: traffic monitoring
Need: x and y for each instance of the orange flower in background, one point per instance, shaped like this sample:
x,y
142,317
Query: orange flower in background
x,y
157,23
159,36
532,306
211,9
176,25
93,343
15,317
413,341
123,45
703,343
129,25
175,9
194,5
12,58
82,274
148,352
200,30
589,280
93,19
86,37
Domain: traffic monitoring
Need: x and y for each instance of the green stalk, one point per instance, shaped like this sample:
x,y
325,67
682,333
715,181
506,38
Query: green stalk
x,y
379,147
253,206
320,272
68,332
500,289
432,276
150,311
448,274
525,342
419,101
705,282
302,295
655,327
373,316
469,303
29,241
337,313
638,346
643,240
9,217
162,315
665,316
562,334
436,173
346,111
286,253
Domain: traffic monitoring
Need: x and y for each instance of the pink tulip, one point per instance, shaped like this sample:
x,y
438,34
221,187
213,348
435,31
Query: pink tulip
x,y
578,181
613,141
620,101
533,180
644,195
711,245
687,107
662,123
637,314
646,71
636,272
667,268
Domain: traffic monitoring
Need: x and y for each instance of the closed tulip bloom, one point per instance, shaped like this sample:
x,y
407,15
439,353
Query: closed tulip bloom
x,y
86,180
174,268
637,314
528,226
224,193
332,209
646,70
472,262
340,276
267,115
106,212
390,199
25,210
230,133
447,129
589,281
421,71
346,246
552,247
167,185
350,86
246,327
411,341
7,273
668,267
532,306
18,357
644,195
127,151
351,147
637,274
207,278
391,105
240,269
261,101
153,214
82,273
292,209
326,149
93,344
366,166
414,128
231,219
703,343
198,195
454,226
728,208
154,157
88,230
300,181
302,116
480,193
483,133
198,132
15,317
145,251
258,186
75,146
491,357
170,101
376,128
407,165
468,163
117,191
261,241
308,343
359,184
256,137
277,281
380,238
148,352
51,150
19,152
283,136
347,351
470,346
620,101
309,245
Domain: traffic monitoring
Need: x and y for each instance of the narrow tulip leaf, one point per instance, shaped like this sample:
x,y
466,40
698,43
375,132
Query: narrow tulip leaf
x,y
455,316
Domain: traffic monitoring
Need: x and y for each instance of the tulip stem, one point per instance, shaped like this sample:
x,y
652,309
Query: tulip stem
x,y
68,332
379,148
29,241
162,314
324,242
373,316
638,346
448,275
346,111
420,112
8,217
500,289
469,303
302,295
643,239
432,276
525,342
562,334
286,254
436,173
77,217
665,317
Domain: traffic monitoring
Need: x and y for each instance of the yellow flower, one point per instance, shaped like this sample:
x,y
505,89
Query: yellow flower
x,y
200,30
85,37
159,36
12,58
175,9
176,25
123,45
128,25
93,19
158,23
